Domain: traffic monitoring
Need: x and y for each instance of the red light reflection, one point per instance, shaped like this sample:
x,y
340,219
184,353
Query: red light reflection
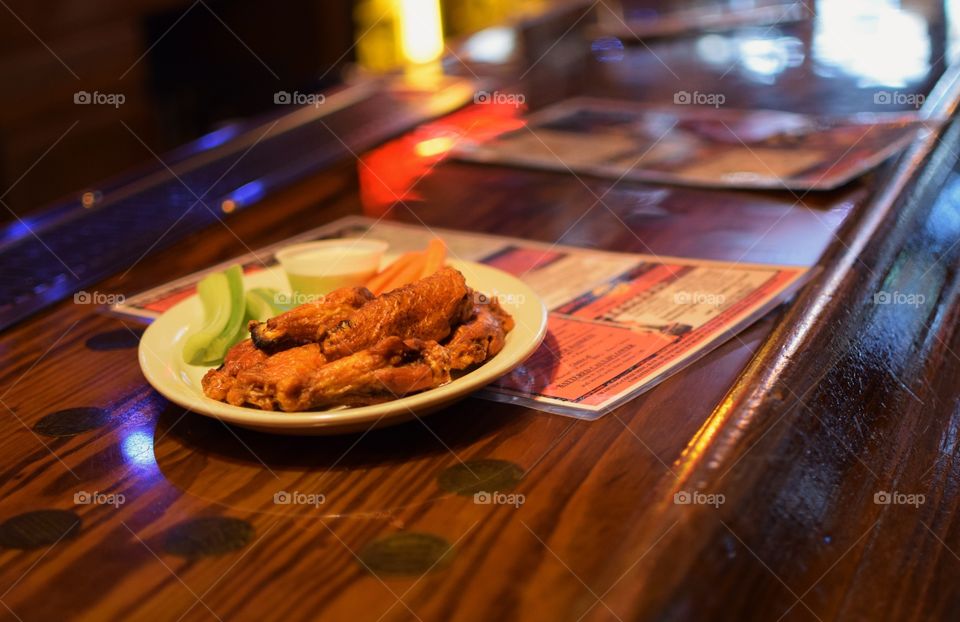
x,y
389,173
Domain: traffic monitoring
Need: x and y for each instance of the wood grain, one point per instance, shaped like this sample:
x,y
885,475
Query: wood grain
x,y
186,525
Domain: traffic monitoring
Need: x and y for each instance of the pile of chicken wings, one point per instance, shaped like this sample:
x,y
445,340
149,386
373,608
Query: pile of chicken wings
x,y
352,348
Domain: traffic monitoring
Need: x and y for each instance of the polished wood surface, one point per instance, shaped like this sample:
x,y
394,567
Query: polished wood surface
x,y
798,422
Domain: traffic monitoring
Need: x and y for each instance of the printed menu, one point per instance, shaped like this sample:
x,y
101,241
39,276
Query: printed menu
x,y
619,323
698,141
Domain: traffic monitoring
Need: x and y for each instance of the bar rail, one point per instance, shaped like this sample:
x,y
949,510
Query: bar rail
x,y
848,403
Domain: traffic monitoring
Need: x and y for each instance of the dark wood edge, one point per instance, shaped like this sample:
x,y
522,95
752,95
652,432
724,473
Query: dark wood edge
x,y
730,455
872,237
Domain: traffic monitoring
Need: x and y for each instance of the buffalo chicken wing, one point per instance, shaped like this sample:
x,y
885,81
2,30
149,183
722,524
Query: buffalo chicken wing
x,y
310,322
427,309
353,349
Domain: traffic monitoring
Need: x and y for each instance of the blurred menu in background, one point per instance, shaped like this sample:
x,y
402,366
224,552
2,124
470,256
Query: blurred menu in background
x,y
697,142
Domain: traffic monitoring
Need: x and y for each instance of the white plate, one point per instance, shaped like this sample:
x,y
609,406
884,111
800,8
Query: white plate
x,y
163,366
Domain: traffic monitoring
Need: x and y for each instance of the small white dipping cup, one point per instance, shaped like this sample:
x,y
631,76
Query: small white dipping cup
x,y
318,268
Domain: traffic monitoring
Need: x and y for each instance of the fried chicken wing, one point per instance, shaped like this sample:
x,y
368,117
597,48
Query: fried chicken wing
x,y
481,337
254,380
301,379
427,309
353,349
217,382
506,320
310,322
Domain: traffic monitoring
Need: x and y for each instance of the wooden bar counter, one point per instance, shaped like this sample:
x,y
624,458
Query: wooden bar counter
x,y
799,422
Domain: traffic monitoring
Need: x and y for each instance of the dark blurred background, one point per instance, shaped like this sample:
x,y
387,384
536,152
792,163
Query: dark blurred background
x,y
183,68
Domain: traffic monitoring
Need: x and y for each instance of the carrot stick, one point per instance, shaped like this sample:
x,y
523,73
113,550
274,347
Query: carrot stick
x,y
410,272
378,281
436,255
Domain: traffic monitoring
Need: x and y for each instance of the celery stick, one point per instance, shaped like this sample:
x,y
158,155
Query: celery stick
x,y
272,298
213,289
215,350
260,305
221,295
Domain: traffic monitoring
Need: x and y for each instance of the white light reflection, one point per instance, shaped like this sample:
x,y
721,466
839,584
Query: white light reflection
x,y
137,449
761,58
874,40
952,10
716,49
492,45
768,58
